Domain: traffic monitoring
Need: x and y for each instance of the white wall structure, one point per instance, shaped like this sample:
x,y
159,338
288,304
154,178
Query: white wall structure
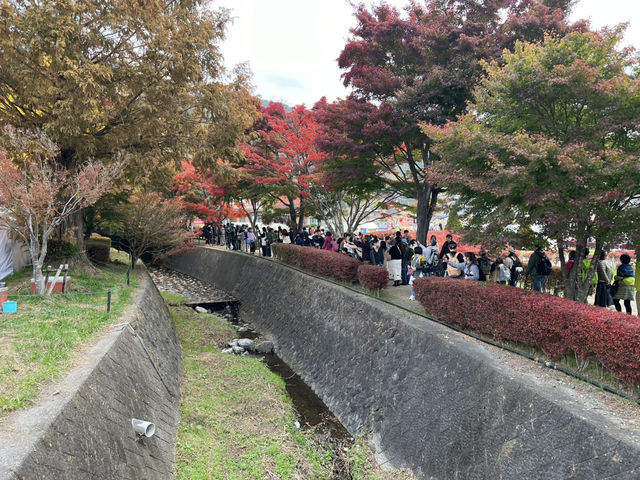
x,y
14,256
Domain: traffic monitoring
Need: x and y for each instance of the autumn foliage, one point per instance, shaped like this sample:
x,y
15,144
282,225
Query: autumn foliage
x,y
552,324
203,194
37,196
373,277
281,154
322,262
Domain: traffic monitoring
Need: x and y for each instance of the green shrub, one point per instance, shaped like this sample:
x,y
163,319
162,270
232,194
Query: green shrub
x,y
96,239
98,250
60,249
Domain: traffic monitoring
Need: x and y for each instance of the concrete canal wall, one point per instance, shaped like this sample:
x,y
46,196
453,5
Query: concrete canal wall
x,y
83,430
434,401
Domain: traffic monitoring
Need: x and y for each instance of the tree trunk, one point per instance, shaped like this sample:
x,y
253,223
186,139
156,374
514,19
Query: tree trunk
x,y
36,263
300,217
293,217
75,221
427,197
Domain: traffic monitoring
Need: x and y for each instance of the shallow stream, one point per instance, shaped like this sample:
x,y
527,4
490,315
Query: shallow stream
x,y
311,410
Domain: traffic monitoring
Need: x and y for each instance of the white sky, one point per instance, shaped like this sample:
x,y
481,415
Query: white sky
x,y
292,45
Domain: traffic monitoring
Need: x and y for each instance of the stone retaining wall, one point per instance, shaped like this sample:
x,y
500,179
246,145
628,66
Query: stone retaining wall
x,y
82,430
436,402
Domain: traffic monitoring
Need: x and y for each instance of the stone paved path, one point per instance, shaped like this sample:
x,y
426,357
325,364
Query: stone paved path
x,y
194,290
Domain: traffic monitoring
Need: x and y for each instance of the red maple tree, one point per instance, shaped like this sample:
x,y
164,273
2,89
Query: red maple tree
x,y
205,194
281,153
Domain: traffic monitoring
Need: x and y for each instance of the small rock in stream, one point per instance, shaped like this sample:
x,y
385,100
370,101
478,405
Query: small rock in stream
x,y
199,309
238,350
246,343
233,343
226,350
243,329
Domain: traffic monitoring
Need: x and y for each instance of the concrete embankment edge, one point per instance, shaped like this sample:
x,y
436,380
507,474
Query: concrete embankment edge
x,y
82,429
434,401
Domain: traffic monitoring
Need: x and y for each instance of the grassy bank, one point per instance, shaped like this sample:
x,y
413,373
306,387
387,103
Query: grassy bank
x,y
238,422
37,343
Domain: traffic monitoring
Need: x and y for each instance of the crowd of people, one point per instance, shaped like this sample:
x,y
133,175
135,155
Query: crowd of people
x,y
407,259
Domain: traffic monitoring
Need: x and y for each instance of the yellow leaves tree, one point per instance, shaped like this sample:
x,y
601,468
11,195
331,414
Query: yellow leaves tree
x,y
101,76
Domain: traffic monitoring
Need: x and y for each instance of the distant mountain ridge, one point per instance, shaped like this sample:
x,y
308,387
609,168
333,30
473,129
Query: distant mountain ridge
x,y
266,103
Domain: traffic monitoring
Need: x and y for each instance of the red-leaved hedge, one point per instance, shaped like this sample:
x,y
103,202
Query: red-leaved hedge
x,y
323,262
553,324
373,277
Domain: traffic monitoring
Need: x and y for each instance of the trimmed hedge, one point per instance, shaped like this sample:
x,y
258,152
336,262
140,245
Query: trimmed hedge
x,y
553,324
373,277
323,262
60,249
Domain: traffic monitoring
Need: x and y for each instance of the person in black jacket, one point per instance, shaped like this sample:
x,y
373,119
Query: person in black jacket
x,y
407,254
366,250
449,247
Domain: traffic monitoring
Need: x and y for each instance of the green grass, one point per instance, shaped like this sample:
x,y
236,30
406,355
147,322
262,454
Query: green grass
x,y
37,344
238,421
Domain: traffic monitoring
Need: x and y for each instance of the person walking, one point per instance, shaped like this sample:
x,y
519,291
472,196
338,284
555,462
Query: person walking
x,y
625,284
540,267
419,268
407,254
603,287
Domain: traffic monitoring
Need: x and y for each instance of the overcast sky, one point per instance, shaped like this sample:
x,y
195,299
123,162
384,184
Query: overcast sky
x,y
292,45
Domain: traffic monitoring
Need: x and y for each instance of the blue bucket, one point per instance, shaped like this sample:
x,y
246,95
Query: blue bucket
x,y
10,307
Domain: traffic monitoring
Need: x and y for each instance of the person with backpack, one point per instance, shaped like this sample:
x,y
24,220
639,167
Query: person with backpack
x,y
513,263
469,267
624,284
431,257
540,267
419,267
453,272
